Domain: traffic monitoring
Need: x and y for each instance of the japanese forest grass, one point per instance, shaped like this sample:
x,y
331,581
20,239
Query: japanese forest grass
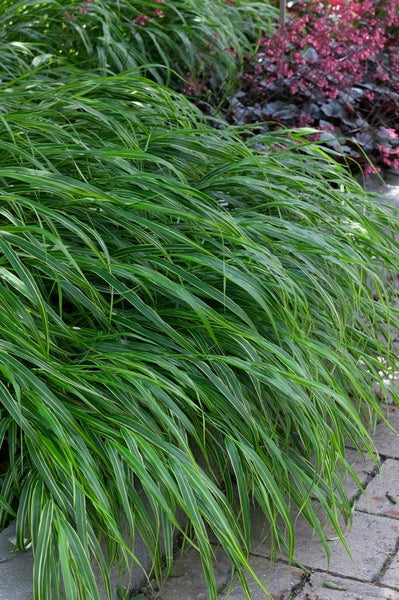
x,y
202,41
187,324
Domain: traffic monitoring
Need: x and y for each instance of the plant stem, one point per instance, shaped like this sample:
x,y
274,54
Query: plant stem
x,y
283,6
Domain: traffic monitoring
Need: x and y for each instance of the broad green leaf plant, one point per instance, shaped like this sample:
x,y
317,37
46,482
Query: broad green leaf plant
x,y
188,323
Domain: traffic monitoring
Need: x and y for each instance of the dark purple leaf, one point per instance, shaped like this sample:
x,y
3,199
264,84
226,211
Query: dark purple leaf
x,y
334,109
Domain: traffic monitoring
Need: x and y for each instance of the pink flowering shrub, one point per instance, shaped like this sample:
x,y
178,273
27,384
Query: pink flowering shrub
x,y
333,66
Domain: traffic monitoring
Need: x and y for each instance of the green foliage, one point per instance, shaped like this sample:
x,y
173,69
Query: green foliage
x,y
186,322
192,39
191,319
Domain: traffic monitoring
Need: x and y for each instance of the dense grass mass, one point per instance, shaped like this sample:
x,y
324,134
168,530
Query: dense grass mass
x,y
192,40
183,320
191,319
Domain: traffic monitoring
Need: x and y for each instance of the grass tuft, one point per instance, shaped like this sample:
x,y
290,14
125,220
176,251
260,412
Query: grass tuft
x,y
192,41
185,321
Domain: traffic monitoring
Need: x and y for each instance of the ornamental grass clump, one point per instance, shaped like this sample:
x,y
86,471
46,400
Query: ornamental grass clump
x,y
187,324
197,44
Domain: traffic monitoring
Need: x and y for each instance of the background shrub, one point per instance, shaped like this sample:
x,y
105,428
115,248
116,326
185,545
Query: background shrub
x,y
334,66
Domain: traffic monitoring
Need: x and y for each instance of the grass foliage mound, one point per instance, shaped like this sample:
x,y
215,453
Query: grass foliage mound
x,y
186,323
195,40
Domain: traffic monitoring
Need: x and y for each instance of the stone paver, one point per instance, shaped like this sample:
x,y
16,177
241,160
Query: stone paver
x,y
16,578
389,189
371,539
320,587
15,569
387,440
188,582
278,578
364,468
391,576
382,493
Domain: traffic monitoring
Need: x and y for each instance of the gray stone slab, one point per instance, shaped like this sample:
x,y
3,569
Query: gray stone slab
x,y
382,493
389,195
391,177
391,576
278,578
16,578
187,580
387,189
7,542
348,589
386,440
371,539
15,569
391,192
364,467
